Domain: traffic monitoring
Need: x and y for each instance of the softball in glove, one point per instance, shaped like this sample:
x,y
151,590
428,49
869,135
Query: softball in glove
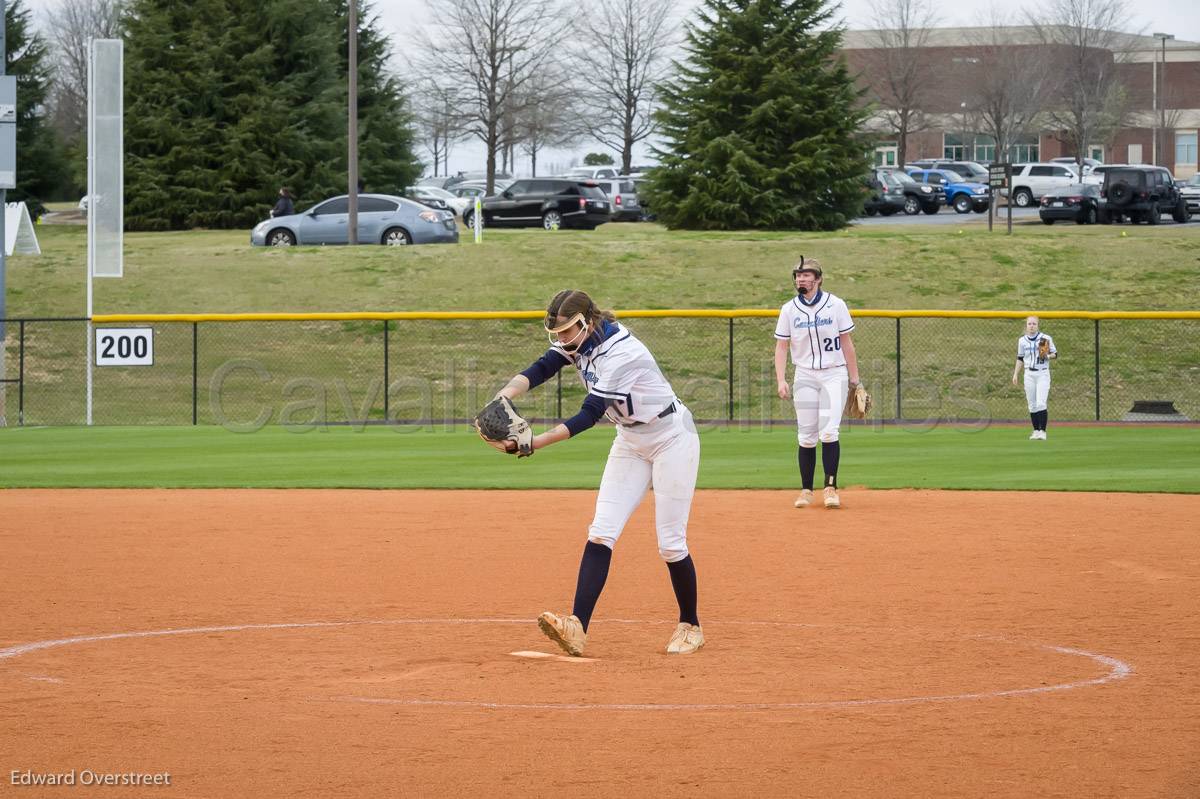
x,y
503,427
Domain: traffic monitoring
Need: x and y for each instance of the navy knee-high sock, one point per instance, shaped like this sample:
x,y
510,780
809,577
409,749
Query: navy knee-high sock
x,y
593,572
807,457
1043,417
1033,418
831,453
683,580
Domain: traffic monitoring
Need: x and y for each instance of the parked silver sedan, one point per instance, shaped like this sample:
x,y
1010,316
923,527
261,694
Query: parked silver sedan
x,y
382,219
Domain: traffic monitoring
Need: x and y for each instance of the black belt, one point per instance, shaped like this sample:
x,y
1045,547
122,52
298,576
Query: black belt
x,y
1032,369
667,411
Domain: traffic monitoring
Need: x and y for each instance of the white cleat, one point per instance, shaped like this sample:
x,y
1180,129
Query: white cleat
x,y
831,498
1041,435
566,631
805,499
1034,436
686,640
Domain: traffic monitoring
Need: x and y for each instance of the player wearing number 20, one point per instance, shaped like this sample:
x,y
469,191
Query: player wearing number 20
x,y
815,327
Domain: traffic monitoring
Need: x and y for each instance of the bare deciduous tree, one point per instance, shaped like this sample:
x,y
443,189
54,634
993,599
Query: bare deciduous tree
x,y
898,66
508,130
1088,38
1008,84
622,54
439,120
552,121
501,46
69,27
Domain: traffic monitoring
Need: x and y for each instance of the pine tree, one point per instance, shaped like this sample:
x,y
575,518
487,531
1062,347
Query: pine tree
x,y
42,168
761,122
172,112
227,100
284,117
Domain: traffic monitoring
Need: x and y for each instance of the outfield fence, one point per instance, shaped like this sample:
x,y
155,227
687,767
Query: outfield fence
x,y
245,371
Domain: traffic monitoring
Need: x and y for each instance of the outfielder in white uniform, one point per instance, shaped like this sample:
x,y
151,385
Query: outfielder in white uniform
x,y
815,328
1035,350
656,446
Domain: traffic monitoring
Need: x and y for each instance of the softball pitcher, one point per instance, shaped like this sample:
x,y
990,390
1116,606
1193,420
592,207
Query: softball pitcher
x,y
656,445
815,327
1035,350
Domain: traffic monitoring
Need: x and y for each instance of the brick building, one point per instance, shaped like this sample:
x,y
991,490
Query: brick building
x,y
948,53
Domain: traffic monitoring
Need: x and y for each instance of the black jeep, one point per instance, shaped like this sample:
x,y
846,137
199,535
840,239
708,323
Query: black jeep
x,y
918,197
1141,194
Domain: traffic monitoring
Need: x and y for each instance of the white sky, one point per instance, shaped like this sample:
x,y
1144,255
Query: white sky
x,y
401,17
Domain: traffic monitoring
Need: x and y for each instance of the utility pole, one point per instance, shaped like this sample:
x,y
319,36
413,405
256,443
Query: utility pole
x,y
1160,98
352,59
3,192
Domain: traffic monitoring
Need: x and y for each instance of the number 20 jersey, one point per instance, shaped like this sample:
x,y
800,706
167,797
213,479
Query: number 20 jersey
x,y
814,330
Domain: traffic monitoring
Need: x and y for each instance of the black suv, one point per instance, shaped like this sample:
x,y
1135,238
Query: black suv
x,y
971,171
884,194
1141,193
546,202
918,197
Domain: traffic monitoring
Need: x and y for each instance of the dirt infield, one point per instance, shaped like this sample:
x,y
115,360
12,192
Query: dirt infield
x,y
357,644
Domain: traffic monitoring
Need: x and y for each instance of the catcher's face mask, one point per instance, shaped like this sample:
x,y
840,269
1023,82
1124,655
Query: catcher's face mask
x,y
566,334
806,276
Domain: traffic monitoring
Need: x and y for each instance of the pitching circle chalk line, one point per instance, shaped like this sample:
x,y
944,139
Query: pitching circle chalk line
x,y
1117,669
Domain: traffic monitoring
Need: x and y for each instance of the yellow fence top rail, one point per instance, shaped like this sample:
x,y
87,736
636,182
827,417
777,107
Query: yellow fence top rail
x,y
681,313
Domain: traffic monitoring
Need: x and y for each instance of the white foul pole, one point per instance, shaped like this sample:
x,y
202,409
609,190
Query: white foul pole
x,y
91,212
106,175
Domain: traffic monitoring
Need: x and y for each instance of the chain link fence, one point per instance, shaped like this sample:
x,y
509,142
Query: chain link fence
x,y
439,371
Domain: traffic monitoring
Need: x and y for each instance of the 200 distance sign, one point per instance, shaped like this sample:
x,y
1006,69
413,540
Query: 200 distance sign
x,y
124,346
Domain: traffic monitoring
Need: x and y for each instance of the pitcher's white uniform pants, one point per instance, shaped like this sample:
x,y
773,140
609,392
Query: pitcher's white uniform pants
x,y
820,397
1037,389
664,454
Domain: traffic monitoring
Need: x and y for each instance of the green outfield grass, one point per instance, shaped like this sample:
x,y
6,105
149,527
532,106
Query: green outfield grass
x,y
952,369
1073,459
627,266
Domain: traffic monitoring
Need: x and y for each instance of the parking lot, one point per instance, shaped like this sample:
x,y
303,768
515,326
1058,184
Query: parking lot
x,y
947,217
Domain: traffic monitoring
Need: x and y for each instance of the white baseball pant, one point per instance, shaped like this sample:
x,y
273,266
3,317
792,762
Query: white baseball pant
x,y
1037,389
663,454
819,396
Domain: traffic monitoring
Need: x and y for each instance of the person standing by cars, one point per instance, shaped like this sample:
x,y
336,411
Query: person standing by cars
x,y
283,206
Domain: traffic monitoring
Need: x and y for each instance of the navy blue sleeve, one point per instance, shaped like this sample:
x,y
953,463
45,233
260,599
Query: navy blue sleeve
x,y
545,367
589,413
